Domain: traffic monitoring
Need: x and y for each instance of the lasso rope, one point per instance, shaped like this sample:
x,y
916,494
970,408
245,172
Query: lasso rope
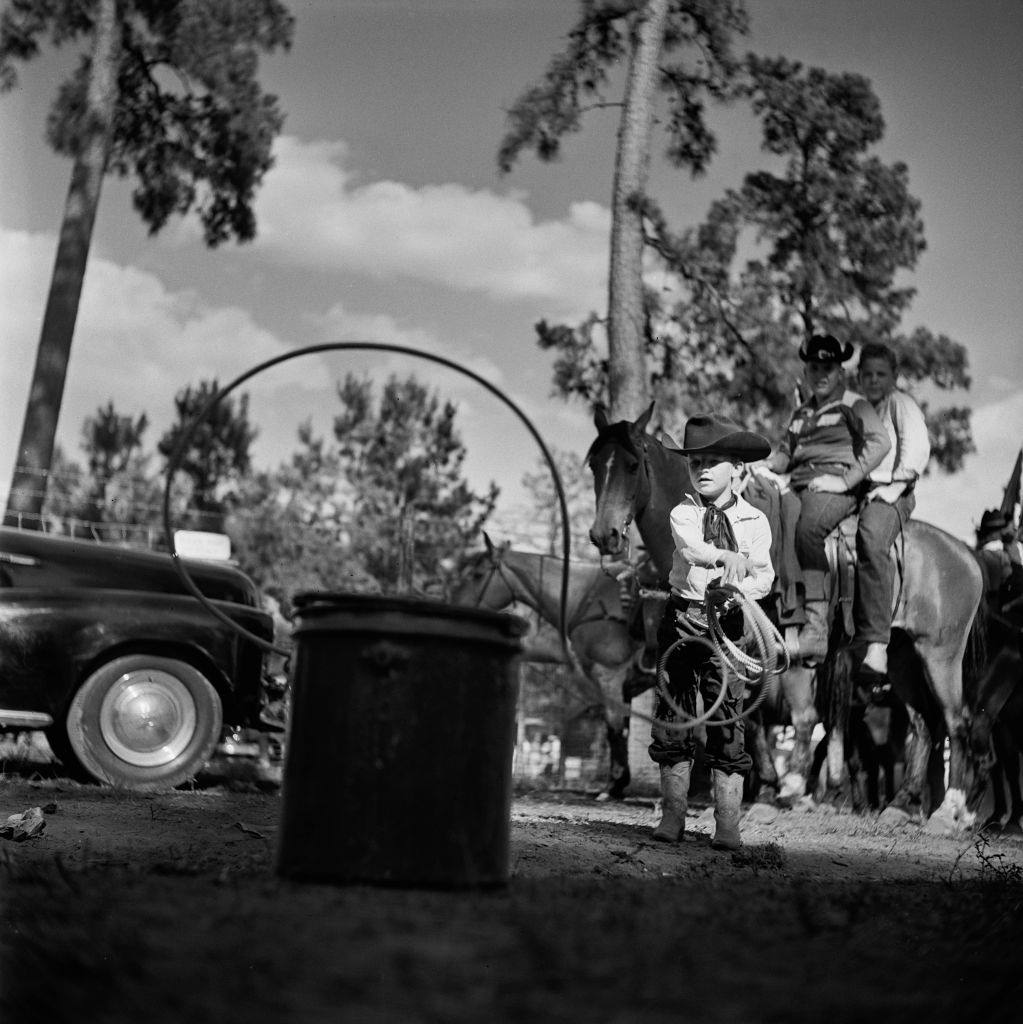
x,y
756,671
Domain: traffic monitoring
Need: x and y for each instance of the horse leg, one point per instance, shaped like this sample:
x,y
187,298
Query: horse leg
x,y
886,763
820,752
999,774
618,747
611,680
1014,826
797,686
953,815
764,774
869,759
907,803
1010,727
837,786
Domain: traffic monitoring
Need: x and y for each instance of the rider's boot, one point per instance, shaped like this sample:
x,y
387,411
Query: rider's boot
x,y
873,673
675,798
727,788
813,636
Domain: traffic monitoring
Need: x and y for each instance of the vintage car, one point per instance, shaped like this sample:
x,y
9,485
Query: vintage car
x,y
133,679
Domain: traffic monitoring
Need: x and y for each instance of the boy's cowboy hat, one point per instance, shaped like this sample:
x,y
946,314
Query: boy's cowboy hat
x,y
718,434
825,348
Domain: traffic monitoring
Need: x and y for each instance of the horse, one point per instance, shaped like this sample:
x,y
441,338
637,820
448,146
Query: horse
x,y
1000,697
875,741
596,623
637,480
1000,704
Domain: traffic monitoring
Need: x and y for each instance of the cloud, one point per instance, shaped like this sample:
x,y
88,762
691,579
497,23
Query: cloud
x,y
136,342
956,502
139,342
313,212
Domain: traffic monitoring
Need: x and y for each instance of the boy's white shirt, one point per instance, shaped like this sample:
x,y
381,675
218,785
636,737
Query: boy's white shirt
x,y
693,564
907,459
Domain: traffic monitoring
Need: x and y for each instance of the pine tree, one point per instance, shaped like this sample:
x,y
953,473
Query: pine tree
x,y
218,453
679,49
165,92
403,458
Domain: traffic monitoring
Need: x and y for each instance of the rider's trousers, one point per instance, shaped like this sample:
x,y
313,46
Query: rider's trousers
x,y
819,514
878,527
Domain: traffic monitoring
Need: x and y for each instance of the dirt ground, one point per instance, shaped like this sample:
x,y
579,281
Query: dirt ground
x,y
167,908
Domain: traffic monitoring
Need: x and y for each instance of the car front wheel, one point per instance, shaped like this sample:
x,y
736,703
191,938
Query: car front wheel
x,y
144,723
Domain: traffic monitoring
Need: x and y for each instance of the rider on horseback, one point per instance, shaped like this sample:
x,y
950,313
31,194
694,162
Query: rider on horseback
x,y
719,539
834,441
992,553
887,505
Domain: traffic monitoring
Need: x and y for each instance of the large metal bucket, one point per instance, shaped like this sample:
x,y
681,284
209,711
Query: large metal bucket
x,y
398,765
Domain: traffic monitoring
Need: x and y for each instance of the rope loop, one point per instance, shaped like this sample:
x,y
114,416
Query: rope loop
x,y
757,671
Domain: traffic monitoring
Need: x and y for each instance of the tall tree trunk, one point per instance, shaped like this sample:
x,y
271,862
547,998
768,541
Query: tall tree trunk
x,y
35,449
628,385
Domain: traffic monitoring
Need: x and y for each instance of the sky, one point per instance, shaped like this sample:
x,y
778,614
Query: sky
x,y
385,219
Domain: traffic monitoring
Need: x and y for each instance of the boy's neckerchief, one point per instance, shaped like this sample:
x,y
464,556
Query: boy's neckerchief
x,y
717,529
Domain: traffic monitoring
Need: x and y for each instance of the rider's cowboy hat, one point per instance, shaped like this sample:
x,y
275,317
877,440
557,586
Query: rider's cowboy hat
x,y
718,434
992,520
825,348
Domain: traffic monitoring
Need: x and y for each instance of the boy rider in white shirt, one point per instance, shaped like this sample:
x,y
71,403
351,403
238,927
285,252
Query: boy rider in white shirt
x,y
719,538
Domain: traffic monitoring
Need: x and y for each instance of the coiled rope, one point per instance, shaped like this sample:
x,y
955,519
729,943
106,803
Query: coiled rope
x,y
757,667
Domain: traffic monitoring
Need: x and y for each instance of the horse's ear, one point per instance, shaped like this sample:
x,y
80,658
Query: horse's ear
x,y
488,542
600,420
641,423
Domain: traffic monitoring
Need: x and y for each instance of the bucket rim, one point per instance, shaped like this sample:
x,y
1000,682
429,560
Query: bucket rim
x,y
326,602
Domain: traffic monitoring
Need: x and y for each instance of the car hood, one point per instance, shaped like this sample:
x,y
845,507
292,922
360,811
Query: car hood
x,y
29,558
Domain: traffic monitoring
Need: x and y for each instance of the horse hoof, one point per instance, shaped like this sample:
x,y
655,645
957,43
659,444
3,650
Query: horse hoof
x,y
705,819
1013,828
761,814
945,822
893,816
939,824
793,788
603,797
952,817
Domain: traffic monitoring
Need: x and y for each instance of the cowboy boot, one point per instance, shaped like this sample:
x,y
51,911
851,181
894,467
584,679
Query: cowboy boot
x,y
872,674
727,787
675,797
813,637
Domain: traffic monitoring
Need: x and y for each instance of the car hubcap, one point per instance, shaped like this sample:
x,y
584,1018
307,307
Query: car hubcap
x,y
148,718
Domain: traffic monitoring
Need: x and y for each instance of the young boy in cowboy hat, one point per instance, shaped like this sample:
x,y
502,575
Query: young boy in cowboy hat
x,y
834,441
719,539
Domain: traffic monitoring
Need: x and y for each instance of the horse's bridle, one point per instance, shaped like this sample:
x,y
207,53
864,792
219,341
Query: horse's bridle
x,y
497,568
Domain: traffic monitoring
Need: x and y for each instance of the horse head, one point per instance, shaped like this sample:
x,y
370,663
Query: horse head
x,y
621,482
483,582
635,478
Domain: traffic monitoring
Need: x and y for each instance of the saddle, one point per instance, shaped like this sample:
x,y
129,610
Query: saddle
x,y
840,548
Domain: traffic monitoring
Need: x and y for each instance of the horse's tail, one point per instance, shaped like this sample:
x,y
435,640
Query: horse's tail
x,y
835,689
975,657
